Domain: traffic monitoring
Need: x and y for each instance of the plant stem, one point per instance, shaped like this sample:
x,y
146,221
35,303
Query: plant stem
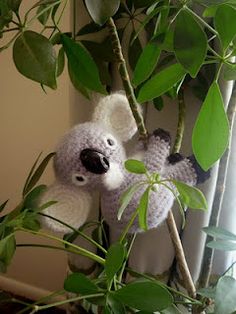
x,y
219,195
181,119
9,30
126,230
47,247
117,50
42,300
82,234
128,253
47,306
174,234
79,249
116,47
49,7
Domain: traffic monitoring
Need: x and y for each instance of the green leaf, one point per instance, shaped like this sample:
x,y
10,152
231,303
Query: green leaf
x,y
76,83
5,14
115,305
126,198
222,245
60,62
226,30
161,82
114,259
31,222
191,196
211,131
146,296
190,43
2,206
102,51
79,283
37,174
44,2
210,11
35,58
230,72
158,103
135,50
82,65
226,292
43,17
89,29
135,166
107,310
146,63
220,233
7,249
143,3
30,173
101,10
143,208
31,199
14,4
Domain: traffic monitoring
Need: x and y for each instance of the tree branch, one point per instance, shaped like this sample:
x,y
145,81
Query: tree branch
x,y
117,50
174,234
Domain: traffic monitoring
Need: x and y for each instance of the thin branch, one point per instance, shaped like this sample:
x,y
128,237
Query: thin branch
x,y
77,248
219,196
78,232
117,50
174,233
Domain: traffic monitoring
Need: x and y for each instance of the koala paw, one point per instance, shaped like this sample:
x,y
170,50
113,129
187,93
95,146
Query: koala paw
x,y
202,175
174,158
162,134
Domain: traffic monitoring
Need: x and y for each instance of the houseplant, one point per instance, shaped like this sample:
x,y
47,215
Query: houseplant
x,y
153,76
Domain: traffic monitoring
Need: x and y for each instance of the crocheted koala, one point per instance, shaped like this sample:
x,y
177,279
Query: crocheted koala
x,y
91,157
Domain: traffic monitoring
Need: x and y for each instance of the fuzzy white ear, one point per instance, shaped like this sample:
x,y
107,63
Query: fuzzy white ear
x,y
72,207
114,111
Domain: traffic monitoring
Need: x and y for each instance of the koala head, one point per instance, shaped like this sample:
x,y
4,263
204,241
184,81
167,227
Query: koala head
x,y
91,155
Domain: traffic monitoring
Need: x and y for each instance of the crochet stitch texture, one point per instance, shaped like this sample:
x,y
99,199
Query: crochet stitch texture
x,y
91,157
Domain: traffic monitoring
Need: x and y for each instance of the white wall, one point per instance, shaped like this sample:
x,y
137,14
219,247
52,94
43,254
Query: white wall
x,y
30,122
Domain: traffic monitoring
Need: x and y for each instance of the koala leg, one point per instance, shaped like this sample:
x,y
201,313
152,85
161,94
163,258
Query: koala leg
x,y
157,151
184,169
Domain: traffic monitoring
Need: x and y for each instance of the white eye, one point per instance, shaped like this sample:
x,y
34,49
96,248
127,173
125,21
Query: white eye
x,y
79,179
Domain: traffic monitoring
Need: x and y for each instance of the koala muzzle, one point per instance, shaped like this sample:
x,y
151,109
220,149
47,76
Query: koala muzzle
x,y
94,161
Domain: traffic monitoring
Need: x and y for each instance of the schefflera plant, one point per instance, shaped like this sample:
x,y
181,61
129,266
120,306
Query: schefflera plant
x,y
180,45
185,195
108,289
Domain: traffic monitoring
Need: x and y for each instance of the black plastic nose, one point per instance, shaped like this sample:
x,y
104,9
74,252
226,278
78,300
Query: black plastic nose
x,y
94,161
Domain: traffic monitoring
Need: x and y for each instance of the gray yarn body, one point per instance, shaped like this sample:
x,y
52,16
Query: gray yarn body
x,y
160,201
68,165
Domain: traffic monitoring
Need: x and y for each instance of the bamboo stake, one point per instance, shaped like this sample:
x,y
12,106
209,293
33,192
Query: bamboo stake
x,y
174,234
117,50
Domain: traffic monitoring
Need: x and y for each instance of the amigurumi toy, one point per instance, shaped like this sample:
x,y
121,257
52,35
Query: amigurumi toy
x,y
91,157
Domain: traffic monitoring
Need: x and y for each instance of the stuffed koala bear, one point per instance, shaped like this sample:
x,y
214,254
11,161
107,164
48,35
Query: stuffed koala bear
x,y
91,157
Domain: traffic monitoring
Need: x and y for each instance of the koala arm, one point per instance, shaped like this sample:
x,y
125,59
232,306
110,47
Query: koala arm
x,y
72,207
157,150
185,169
